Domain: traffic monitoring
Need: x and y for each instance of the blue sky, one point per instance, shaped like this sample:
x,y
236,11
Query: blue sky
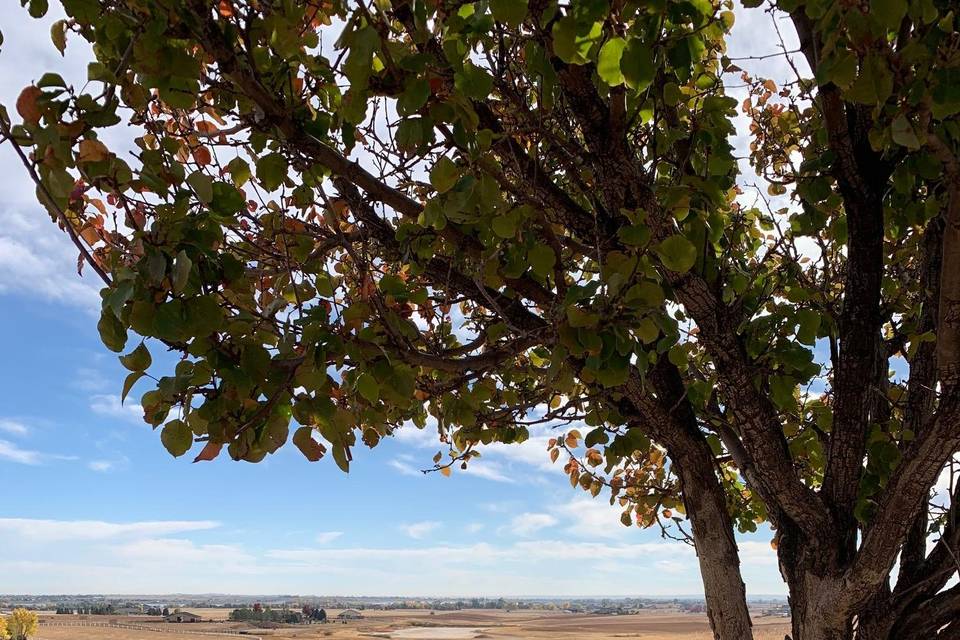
x,y
92,502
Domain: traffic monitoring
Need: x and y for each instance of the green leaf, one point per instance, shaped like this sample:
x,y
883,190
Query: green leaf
x,y
645,294
357,66
58,35
473,81
414,96
505,226
368,387
112,332
444,174
810,322
874,84
272,171
903,134
542,258
177,437
510,12
202,184
51,80
608,61
181,271
38,8
579,318
128,383
637,65
137,360
677,253
340,457
571,42
781,391
889,12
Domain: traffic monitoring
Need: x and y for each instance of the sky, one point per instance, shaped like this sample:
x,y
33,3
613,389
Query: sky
x,y
93,504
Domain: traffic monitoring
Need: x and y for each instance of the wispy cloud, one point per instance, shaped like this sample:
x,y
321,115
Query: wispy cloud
x,y
419,530
489,471
526,524
13,427
101,466
51,530
110,405
404,467
12,453
37,261
327,537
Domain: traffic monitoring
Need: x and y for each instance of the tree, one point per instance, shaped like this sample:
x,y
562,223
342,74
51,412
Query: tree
x,y
479,216
21,624
3,628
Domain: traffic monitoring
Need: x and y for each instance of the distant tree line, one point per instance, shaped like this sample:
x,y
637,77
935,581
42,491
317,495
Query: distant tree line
x,y
265,614
314,614
89,610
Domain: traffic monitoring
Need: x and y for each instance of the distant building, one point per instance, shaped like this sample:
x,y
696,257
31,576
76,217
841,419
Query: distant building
x,y
182,616
349,614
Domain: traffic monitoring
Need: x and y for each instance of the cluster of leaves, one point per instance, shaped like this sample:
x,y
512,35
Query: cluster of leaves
x,y
21,624
542,217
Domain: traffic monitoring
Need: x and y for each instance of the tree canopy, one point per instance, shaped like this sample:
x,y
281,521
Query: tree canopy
x,y
353,217
21,624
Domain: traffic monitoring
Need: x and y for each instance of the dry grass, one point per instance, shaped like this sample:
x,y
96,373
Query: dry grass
x,y
474,624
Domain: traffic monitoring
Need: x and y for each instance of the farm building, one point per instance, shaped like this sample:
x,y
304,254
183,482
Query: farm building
x,y
349,614
182,616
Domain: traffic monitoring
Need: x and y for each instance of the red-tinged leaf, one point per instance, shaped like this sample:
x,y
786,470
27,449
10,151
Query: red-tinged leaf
x,y
226,8
27,104
201,155
210,451
310,448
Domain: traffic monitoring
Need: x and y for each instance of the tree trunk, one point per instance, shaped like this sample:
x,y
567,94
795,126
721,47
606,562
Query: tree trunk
x,y
817,608
814,615
717,552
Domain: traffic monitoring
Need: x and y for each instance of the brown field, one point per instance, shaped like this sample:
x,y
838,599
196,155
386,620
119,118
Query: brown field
x,y
424,625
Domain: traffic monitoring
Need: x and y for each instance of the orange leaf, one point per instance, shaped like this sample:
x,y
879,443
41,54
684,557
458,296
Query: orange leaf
x,y
226,8
201,156
27,104
90,235
445,471
310,448
210,451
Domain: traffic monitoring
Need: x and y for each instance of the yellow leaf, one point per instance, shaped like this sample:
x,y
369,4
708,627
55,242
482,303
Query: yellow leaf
x,y
92,151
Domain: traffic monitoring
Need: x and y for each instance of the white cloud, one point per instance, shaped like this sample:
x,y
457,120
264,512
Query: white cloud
x,y
488,471
526,524
474,527
36,259
327,537
404,467
12,453
161,550
591,518
418,530
101,466
110,405
51,530
13,427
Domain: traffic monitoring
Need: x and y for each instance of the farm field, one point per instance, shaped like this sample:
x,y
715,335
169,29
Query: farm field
x,y
422,625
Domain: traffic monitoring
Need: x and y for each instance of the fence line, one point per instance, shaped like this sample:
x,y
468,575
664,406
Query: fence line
x,y
140,627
